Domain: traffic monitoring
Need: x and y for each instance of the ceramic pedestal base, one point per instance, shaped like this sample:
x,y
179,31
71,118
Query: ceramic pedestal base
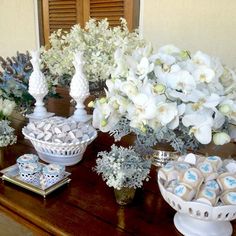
x,y
80,115
190,226
36,117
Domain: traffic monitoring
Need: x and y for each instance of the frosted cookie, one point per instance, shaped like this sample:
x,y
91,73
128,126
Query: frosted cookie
x,y
213,186
207,170
228,198
227,181
168,172
185,192
215,161
193,178
207,196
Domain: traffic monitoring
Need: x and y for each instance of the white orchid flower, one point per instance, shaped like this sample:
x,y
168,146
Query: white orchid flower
x,y
121,66
144,67
175,122
145,106
218,120
204,74
221,138
181,80
200,126
207,102
105,116
228,108
201,58
194,96
162,58
166,112
169,49
162,72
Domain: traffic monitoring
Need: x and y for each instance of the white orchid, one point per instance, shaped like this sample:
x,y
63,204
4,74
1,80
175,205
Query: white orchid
x,y
171,89
200,126
204,74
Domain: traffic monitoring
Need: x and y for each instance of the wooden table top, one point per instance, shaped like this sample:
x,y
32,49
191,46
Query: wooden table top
x,y
87,206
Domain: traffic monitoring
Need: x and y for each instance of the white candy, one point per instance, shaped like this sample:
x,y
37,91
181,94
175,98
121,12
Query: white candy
x,y
59,130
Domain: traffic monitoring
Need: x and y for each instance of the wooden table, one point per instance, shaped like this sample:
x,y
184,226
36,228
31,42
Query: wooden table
x,y
86,206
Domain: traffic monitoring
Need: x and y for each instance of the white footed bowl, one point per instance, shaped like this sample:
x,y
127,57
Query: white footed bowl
x,y
199,219
66,154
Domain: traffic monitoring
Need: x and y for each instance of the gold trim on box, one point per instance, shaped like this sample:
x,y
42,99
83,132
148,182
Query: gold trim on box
x,y
11,175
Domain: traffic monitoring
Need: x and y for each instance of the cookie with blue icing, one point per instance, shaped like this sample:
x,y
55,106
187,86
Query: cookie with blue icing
x,y
229,198
215,161
227,181
193,177
185,192
212,185
208,196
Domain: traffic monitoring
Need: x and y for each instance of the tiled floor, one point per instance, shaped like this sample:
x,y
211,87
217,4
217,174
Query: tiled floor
x,y
9,227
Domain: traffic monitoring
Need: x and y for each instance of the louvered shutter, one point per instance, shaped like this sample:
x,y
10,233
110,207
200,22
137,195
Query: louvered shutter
x,y
112,10
59,14
63,14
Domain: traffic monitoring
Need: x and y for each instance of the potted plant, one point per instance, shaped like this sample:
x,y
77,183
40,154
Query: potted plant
x,y
124,170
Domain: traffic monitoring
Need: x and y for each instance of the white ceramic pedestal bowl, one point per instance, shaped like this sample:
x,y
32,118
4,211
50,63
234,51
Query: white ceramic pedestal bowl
x,y
199,219
66,154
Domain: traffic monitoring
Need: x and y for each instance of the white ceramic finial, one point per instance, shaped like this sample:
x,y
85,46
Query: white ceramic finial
x,y
38,88
79,89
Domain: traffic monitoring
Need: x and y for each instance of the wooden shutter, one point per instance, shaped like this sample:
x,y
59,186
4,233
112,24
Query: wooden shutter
x,y
59,14
62,14
113,10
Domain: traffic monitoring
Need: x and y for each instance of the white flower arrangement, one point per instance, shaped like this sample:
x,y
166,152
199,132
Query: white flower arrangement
x,y
6,108
173,96
122,167
7,136
98,42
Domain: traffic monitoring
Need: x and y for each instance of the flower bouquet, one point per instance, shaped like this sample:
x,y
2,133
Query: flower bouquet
x,y
98,43
123,169
170,96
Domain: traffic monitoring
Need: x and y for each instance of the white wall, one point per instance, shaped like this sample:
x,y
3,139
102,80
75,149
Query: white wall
x,y
17,26
208,25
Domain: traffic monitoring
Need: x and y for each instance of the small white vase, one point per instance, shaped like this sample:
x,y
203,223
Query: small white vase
x,y
79,89
38,88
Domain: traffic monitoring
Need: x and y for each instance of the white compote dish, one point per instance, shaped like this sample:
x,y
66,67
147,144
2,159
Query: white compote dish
x,y
198,217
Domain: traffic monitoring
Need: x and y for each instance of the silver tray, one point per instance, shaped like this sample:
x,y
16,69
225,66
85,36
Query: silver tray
x,y
11,174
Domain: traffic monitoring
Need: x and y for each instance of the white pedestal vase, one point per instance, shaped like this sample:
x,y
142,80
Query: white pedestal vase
x,y
38,88
79,89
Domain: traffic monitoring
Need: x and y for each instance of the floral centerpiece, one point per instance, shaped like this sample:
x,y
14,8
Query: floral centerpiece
x,y
170,96
122,168
98,43
14,81
7,136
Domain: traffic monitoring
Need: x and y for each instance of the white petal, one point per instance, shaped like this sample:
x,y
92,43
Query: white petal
x,y
203,134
